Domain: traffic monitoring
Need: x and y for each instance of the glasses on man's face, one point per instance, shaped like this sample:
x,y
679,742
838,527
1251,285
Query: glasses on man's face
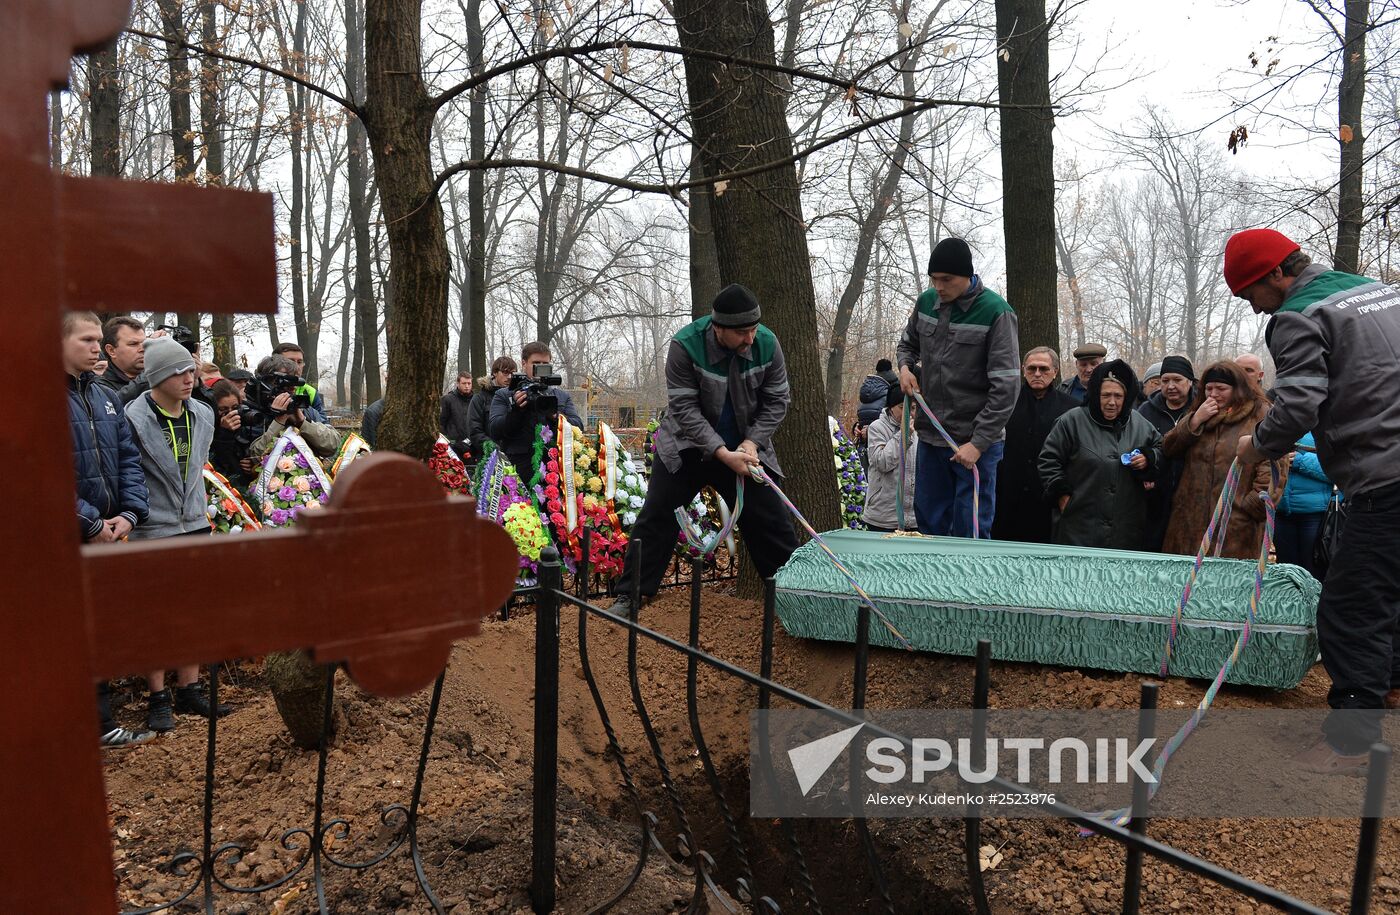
x,y
1039,369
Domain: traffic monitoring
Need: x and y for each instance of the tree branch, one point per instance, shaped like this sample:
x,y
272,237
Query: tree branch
x,y
256,65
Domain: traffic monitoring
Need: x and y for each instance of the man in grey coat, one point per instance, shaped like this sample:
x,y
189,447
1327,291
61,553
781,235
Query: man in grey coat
x,y
173,432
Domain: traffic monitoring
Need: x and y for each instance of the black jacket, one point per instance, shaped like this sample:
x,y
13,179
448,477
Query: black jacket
x,y
873,391
1022,511
105,457
369,423
1159,500
454,416
127,389
513,428
479,416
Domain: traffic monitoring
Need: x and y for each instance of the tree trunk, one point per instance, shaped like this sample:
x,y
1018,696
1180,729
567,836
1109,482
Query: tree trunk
x,y
1347,256
704,259
104,113
399,118
172,22
761,240
356,170
1028,169
296,105
211,123
56,130
1076,292
476,197
298,686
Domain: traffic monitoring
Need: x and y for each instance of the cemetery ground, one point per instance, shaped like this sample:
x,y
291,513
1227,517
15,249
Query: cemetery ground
x,y
475,814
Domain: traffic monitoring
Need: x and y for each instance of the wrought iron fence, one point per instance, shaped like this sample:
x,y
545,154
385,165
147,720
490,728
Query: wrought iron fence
x,y
324,844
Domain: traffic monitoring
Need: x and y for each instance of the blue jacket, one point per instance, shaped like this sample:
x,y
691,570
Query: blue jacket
x,y
105,457
1308,487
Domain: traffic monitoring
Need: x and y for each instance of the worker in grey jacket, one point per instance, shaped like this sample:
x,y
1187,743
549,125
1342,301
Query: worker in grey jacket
x,y
726,392
963,336
1334,338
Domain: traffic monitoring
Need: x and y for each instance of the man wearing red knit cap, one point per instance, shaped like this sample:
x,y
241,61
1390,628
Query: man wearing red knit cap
x,y
1335,339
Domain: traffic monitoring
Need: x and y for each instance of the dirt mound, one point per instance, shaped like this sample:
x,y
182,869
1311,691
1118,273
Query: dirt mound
x,y
475,827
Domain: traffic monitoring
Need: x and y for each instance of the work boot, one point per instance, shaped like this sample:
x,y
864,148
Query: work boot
x,y
120,738
191,700
622,606
1322,759
1392,699
160,715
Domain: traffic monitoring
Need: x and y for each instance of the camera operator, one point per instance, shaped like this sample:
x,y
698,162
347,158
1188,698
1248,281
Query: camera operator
x,y
276,406
531,399
232,439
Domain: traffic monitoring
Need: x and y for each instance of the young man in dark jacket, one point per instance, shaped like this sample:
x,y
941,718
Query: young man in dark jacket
x,y
874,390
515,417
454,413
964,337
1164,410
1333,337
1023,514
727,391
479,414
111,495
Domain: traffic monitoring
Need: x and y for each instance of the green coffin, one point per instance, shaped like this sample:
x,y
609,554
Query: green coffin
x,y
1077,607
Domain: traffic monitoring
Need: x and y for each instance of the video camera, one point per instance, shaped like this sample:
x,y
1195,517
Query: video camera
x,y
264,389
536,387
181,335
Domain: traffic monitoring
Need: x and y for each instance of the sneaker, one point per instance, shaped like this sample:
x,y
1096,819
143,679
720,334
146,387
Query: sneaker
x,y
117,738
1322,759
159,715
191,700
622,606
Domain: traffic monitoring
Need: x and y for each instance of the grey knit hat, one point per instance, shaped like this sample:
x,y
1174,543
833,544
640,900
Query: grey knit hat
x,y
165,357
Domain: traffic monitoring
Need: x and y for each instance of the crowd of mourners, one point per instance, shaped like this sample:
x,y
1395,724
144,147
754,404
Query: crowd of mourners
x,y
148,414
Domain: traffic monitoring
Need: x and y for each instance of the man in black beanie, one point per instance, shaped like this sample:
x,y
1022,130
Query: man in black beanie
x,y
726,392
1164,410
964,337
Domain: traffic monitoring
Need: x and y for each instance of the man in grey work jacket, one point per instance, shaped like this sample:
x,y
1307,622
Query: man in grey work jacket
x,y
1334,337
726,392
964,337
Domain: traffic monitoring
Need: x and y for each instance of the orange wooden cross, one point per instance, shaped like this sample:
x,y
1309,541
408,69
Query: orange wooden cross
x,y
422,569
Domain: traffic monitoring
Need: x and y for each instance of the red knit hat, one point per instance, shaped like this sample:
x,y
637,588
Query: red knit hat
x,y
1251,254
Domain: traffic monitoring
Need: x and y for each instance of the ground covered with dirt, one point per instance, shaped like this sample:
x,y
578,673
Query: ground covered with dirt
x,y
475,817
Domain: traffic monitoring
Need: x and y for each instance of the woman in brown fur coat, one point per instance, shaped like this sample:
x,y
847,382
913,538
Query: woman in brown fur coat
x,y
1228,405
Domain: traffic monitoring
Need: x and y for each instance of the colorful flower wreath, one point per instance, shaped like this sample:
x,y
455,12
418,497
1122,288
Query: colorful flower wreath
x,y
228,512
450,470
850,477
292,481
351,448
499,495
522,522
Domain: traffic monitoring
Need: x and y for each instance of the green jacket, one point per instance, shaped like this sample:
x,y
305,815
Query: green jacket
x,y
970,365
1082,458
701,374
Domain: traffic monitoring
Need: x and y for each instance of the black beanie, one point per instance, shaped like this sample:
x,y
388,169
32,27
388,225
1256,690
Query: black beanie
x,y
1217,375
951,255
1178,365
735,306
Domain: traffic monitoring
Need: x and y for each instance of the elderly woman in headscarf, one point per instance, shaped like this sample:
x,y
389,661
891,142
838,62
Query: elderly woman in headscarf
x,y
1228,405
1098,463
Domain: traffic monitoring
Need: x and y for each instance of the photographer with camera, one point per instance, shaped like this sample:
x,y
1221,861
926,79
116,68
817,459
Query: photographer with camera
x,y
531,399
275,406
232,438
316,404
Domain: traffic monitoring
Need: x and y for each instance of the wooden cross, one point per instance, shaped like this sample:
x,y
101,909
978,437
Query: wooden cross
x,y
411,569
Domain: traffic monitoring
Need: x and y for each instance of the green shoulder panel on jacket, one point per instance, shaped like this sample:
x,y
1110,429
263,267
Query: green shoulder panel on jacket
x,y
692,340
1325,286
985,310
927,303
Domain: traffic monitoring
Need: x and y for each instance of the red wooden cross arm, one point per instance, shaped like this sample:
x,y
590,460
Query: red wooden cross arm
x,y
415,568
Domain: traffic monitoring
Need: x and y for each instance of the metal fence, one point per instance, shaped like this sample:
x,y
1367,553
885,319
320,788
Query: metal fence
x,y
324,845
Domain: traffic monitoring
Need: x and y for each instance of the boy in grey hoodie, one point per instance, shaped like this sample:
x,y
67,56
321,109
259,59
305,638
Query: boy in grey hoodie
x,y
173,432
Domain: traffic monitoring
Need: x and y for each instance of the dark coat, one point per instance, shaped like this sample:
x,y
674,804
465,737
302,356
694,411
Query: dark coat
x,y
479,416
1082,459
454,414
1022,512
105,457
1159,500
369,423
513,429
873,391
1207,457
127,389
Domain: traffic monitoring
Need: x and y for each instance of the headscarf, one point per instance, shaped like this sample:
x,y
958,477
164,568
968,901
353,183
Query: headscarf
x,y
1119,371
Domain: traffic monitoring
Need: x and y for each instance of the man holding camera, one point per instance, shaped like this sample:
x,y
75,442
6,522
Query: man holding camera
x,y
531,399
727,391
316,409
276,406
